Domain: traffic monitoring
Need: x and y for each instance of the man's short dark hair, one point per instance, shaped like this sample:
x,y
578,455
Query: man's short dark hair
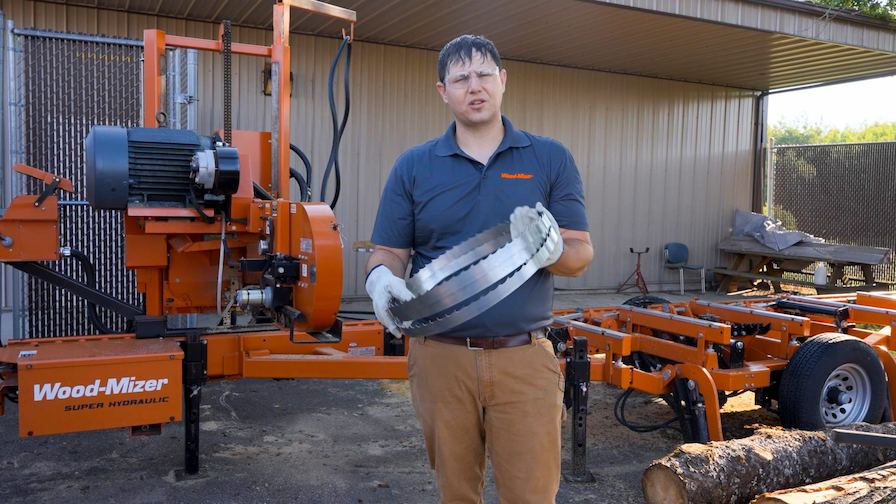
x,y
462,48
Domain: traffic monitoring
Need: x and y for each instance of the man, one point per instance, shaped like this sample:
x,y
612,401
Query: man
x,y
492,384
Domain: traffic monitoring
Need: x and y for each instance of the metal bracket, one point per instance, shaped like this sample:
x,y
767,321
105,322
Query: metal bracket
x,y
47,192
186,99
292,316
146,326
736,353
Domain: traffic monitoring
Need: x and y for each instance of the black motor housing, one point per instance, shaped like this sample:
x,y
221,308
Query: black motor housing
x,y
157,168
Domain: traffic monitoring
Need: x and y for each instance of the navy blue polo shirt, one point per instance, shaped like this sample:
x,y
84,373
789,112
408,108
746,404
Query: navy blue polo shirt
x,y
437,196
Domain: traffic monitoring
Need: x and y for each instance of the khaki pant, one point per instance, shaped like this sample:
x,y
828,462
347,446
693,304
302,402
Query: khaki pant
x,y
507,402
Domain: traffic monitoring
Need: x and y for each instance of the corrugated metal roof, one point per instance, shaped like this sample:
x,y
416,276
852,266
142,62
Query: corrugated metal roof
x,y
685,40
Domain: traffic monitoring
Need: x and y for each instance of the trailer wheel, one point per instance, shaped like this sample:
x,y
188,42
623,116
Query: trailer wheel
x,y
832,380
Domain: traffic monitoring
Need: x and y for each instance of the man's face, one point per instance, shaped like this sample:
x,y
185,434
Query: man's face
x,y
474,90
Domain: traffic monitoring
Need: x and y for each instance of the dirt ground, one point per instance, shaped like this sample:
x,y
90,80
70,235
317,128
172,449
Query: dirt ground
x,y
319,441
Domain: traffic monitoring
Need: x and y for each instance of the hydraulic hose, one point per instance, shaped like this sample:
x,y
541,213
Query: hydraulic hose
x,y
338,127
260,193
303,185
306,192
619,413
90,273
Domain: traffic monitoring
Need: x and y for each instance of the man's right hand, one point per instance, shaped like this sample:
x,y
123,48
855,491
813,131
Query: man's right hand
x,y
382,287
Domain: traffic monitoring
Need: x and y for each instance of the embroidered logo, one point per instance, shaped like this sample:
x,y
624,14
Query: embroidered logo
x,y
525,176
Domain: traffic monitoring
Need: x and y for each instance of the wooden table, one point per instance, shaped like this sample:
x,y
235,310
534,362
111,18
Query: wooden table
x,y
752,260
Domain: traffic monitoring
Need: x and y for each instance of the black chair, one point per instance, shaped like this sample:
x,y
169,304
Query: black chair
x,y
676,257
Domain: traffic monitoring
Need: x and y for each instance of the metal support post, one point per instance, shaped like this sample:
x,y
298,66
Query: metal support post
x,y
195,372
6,314
192,90
578,379
770,174
5,167
692,411
12,115
760,126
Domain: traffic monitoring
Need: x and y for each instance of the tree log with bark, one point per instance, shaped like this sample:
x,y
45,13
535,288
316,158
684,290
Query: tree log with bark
x,y
874,486
735,471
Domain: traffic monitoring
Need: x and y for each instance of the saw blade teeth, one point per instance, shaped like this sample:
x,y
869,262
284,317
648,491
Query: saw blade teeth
x,y
463,254
448,317
460,286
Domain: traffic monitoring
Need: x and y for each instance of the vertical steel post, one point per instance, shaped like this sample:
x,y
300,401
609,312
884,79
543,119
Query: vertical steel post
x,y
5,313
5,167
760,123
154,48
192,89
11,117
172,88
275,128
578,379
280,66
770,174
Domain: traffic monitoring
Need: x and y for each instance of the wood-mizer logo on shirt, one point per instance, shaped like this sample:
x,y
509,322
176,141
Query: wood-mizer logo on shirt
x,y
525,176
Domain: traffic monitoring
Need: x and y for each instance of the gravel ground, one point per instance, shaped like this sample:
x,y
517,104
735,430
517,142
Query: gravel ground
x,y
318,441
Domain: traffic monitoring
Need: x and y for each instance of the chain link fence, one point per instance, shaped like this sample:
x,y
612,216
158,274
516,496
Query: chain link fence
x,y
843,193
66,84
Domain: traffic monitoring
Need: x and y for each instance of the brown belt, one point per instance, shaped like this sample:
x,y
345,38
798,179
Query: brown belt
x,y
491,343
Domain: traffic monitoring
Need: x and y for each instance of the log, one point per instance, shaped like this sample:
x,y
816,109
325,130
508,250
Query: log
x,y
873,486
735,471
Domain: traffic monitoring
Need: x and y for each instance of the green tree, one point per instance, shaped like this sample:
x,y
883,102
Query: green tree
x,y
877,132
884,9
796,134
807,134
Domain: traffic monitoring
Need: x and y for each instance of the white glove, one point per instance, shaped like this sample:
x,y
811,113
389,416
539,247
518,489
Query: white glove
x,y
522,221
382,287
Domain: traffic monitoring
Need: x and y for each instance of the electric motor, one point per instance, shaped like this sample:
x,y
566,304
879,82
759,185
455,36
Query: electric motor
x,y
158,168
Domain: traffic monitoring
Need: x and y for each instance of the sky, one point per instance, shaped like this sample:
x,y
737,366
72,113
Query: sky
x,y
844,105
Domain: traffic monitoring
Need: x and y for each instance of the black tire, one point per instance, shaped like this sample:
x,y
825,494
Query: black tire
x,y
826,366
645,300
